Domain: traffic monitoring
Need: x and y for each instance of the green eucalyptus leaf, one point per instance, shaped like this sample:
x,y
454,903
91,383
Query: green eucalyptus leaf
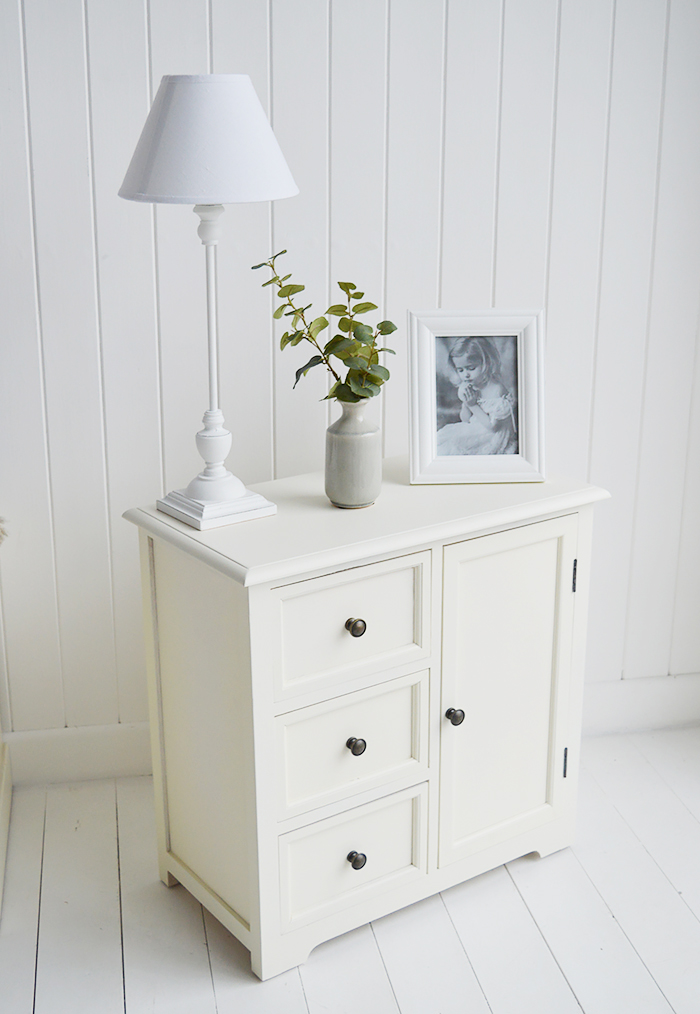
x,y
284,340
332,392
338,309
303,370
357,295
279,311
387,350
285,277
344,393
364,307
347,286
278,254
270,281
379,372
318,325
344,324
256,266
360,386
290,290
386,327
351,349
355,363
362,332
299,336
337,341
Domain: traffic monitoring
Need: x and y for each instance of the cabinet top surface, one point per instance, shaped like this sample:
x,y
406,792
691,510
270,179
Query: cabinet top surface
x,y
308,534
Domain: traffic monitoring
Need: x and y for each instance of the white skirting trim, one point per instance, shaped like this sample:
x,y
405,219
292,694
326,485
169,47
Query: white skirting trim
x,y
636,705
5,803
75,755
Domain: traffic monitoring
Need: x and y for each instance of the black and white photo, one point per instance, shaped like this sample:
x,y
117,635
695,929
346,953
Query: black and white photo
x,y
476,396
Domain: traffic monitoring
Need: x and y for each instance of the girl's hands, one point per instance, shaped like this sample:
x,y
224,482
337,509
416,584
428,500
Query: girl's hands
x,y
467,393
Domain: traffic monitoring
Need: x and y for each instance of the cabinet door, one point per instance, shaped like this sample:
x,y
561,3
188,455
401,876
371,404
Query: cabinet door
x,y
507,634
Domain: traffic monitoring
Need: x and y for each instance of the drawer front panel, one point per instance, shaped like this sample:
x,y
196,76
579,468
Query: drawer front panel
x,y
315,646
315,874
315,764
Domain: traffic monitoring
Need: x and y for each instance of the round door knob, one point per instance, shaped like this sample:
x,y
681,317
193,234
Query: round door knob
x,y
357,860
356,627
456,716
356,746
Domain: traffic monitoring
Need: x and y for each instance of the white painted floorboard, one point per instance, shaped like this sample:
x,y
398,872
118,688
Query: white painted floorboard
x,y
609,926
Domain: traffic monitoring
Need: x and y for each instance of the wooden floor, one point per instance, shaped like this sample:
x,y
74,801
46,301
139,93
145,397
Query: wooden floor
x,y
611,926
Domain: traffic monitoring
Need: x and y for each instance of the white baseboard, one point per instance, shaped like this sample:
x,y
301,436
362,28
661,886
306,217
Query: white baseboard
x,y
635,705
5,804
75,755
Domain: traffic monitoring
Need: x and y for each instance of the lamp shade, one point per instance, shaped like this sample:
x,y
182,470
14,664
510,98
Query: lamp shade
x,y
207,140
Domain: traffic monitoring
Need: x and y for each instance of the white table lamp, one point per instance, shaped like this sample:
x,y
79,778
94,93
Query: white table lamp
x,y
207,142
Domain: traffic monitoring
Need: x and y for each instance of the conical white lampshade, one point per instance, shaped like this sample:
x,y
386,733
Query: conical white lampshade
x,y
207,140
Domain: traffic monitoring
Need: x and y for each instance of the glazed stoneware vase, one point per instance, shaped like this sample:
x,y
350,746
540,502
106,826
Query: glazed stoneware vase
x,y
353,457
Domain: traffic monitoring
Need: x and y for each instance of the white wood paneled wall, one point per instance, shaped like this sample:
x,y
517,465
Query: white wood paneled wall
x,y
455,153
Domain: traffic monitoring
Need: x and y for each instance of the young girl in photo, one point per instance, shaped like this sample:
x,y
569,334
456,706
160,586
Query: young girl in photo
x,y
487,413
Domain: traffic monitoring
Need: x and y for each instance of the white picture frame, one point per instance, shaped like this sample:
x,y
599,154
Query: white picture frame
x,y
452,437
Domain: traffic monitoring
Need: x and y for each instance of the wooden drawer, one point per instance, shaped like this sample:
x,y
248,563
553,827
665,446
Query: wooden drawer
x,y
313,647
315,764
316,877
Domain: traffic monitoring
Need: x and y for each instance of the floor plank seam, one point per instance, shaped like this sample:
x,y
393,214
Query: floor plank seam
x,y
662,778
466,953
544,938
642,843
386,970
303,991
38,913
622,930
211,970
119,891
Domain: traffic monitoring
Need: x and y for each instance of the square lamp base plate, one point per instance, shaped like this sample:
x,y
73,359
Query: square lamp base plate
x,y
201,515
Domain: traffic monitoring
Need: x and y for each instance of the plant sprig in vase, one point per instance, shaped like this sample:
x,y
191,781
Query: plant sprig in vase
x,y
353,349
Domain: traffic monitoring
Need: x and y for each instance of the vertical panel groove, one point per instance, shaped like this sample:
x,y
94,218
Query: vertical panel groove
x,y
210,38
329,174
156,285
688,452
385,204
497,163
99,342
40,338
596,336
647,333
441,185
273,241
555,101
6,723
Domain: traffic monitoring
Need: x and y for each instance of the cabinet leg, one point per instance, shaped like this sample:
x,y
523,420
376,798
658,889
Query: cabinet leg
x,y
166,876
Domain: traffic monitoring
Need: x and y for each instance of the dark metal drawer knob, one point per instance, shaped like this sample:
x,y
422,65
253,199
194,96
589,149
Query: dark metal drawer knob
x,y
455,716
357,860
356,746
356,627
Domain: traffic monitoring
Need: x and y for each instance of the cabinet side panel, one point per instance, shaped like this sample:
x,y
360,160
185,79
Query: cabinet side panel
x,y
207,729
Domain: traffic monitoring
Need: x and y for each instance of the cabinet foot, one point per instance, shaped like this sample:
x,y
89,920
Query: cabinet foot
x,y
167,878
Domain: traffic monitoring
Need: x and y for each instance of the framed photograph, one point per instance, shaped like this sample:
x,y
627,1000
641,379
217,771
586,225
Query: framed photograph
x,y
476,396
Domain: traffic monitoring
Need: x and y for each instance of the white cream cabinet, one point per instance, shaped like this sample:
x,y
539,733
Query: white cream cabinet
x,y
353,710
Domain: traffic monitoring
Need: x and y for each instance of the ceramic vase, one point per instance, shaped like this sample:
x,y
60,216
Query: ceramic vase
x,y
353,457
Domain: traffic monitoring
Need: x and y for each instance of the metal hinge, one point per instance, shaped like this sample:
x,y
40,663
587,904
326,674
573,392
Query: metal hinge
x,y
573,580
566,759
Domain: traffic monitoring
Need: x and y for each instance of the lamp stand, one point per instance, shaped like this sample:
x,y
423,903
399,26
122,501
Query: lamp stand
x,y
215,497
